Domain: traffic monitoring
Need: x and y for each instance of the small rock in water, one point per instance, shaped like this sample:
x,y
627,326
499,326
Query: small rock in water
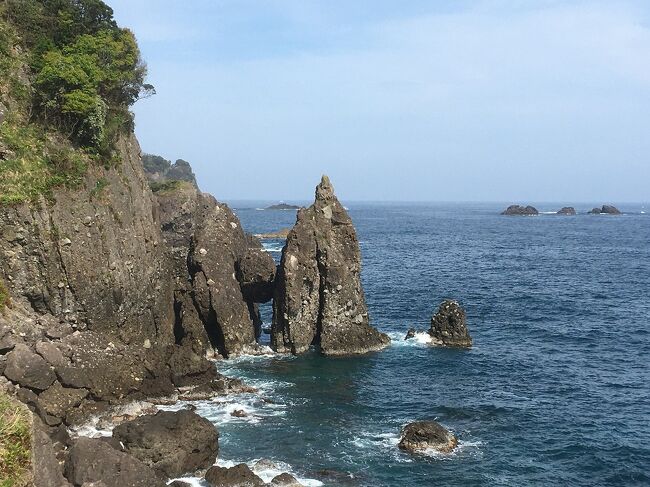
x,y
238,476
567,210
285,480
448,326
410,334
423,435
239,413
265,464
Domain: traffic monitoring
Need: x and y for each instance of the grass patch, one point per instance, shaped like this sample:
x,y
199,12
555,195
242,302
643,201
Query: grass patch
x,y
36,164
165,186
4,296
15,443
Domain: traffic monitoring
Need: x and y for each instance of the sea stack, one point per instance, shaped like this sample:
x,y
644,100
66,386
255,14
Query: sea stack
x,y
518,210
448,326
425,435
567,210
318,297
605,210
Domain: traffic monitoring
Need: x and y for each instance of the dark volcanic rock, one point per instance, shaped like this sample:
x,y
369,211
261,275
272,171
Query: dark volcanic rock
x,y
172,443
448,325
319,299
57,400
28,369
410,333
606,210
94,460
237,476
520,210
567,210
256,272
423,435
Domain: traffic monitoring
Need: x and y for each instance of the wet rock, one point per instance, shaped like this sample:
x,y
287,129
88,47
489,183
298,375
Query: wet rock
x,y
449,327
567,210
28,369
285,480
239,413
172,443
319,299
94,460
410,333
520,210
237,476
423,435
179,483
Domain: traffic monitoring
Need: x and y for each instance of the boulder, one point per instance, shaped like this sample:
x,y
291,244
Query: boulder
x,y
58,400
567,210
51,354
410,333
189,368
238,476
28,369
285,480
424,435
318,298
519,210
449,327
172,443
94,460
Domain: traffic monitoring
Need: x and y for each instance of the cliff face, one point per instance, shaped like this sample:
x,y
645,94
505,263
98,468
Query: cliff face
x,y
93,257
319,298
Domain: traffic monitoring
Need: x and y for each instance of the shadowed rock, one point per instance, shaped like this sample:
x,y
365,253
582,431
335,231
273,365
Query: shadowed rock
x,y
237,476
448,326
518,210
424,435
319,299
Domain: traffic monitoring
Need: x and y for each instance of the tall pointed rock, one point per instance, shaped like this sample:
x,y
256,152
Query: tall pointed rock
x,y
319,299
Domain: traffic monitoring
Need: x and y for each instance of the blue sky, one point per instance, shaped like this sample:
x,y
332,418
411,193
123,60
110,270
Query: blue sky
x,y
497,100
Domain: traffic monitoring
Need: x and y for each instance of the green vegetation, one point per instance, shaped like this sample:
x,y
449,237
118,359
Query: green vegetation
x,y
15,441
165,186
68,75
4,296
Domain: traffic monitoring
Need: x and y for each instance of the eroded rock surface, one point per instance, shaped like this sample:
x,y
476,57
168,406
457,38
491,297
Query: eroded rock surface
x,y
319,299
424,435
238,476
449,327
172,443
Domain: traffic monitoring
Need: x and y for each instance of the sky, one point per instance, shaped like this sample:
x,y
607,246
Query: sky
x,y
495,100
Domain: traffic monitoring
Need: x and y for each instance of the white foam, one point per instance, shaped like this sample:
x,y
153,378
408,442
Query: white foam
x,y
463,447
421,339
193,481
269,469
272,246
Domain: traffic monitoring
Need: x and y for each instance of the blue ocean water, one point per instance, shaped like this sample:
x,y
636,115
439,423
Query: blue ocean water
x,y
556,389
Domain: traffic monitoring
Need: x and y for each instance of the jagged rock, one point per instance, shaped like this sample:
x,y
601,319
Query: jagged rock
x,y
188,368
520,210
51,354
605,209
94,460
285,480
28,369
237,476
410,333
448,325
319,299
172,443
58,400
567,210
48,472
423,435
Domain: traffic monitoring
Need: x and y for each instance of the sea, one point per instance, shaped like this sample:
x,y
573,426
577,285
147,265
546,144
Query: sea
x,y
555,390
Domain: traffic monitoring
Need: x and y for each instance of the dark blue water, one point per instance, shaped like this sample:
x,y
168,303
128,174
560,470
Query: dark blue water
x,y
555,391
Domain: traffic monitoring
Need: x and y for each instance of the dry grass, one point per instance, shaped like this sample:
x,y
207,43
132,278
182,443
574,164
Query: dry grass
x,y
15,443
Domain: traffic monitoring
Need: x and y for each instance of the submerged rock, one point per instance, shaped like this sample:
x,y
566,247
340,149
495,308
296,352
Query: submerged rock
x,y
424,435
605,210
238,476
285,480
520,210
567,210
319,299
172,443
448,325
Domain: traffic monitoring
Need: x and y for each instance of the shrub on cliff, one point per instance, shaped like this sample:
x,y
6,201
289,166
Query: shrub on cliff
x,y
15,440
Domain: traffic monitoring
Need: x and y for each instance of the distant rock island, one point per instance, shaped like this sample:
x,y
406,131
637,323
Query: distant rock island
x,y
567,210
282,233
605,210
282,206
518,210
